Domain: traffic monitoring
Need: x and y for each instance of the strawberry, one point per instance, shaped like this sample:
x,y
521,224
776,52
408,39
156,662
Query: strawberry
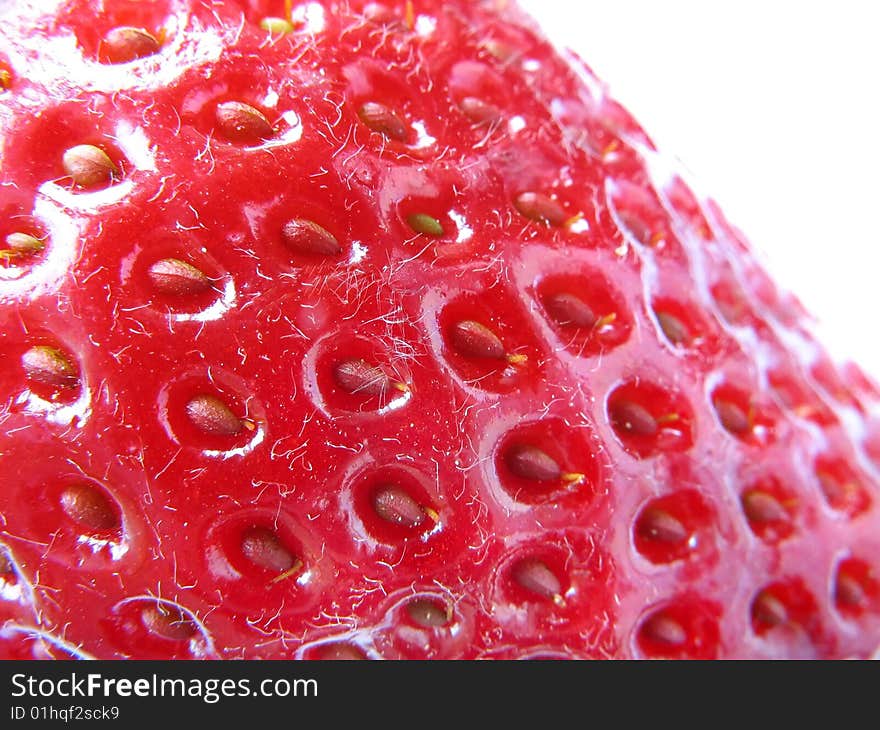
x,y
350,330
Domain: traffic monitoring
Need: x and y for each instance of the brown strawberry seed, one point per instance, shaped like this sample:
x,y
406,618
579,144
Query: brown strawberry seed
x,y
210,414
733,418
534,576
840,490
240,122
761,507
664,629
5,79
359,377
856,589
263,548
631,418
849,592
307,236
639,229
173,276
409,15
429,613
540,207
569,310
88,166
657,524
168,622
89,507
674,329
479,111
124,44
472,339
769,611
381,119
531,463
47,365
396,506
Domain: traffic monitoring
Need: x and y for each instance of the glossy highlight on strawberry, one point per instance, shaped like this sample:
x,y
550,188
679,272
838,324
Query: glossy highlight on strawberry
x,y
358,330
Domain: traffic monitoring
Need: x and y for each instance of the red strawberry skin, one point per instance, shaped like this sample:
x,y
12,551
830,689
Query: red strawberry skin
x,y
386,333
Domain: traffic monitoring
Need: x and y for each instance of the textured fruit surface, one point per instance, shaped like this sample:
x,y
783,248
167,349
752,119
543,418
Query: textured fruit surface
x,y
349,330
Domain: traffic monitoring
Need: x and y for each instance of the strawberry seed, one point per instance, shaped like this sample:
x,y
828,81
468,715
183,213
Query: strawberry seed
x,y
655,524
240,122
307,236
49,366
21,245
429,613
394,505
381,119
541,208
535,577
124,44
88,166
89,507
173,276
569,310
674,329
264,549
211,415
533,464
632,418
423,223
359,377
761,507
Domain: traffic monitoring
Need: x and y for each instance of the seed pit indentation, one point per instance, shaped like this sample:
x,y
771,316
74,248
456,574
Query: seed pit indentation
x,y
842,486
856,589
685,628
648,419
770,509
673,527
546,461
585,311
785,605
487,340
640,214
394,505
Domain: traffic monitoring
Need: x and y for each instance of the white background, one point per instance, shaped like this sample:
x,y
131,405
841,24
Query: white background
x,y
775,107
